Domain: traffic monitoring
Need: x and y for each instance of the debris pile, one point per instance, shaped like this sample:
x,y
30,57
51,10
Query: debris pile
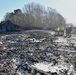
x,y
21,54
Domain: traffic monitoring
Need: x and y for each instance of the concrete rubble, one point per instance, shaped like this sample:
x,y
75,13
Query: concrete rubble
x,y
36,53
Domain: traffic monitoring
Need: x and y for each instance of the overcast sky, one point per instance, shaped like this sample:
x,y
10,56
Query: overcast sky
x,y
67,8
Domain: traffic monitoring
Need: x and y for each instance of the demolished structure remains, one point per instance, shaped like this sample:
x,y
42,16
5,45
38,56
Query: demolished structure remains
x,y
37,53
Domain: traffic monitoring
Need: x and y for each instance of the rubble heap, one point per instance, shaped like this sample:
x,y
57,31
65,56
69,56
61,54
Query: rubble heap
x,y
18,52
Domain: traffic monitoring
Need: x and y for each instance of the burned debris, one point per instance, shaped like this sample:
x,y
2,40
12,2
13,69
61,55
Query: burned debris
x,y
36,53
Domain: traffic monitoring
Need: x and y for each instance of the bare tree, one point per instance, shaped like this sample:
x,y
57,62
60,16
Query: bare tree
x,y
36,16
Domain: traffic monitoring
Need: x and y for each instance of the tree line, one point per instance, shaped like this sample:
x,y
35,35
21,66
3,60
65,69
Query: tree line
x,y
35,16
